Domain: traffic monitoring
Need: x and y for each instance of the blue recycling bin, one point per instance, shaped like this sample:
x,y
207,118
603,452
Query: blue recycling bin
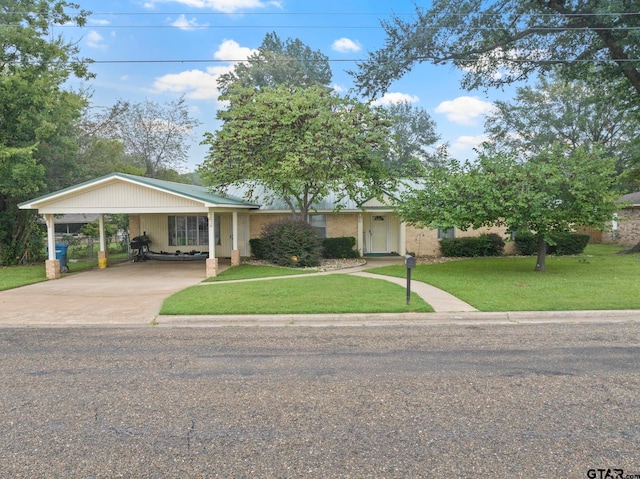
x,y
61,255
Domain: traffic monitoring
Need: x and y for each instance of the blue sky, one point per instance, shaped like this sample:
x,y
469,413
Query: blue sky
x,y
161,49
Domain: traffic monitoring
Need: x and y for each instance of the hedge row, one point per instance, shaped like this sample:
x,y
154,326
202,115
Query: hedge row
x,y
339,248
332,248
565,243
471,246
294,243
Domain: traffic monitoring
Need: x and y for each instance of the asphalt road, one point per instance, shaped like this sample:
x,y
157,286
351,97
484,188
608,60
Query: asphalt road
x,y
545,400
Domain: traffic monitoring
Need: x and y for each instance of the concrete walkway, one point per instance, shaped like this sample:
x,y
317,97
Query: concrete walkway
x,y
441,301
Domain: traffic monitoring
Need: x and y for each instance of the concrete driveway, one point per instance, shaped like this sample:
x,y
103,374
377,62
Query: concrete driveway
x,y
126,293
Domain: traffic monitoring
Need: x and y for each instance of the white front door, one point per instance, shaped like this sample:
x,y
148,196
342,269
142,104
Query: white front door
x,y
223,249
379,234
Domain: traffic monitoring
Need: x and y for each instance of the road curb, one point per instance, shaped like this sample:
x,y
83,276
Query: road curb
x,y
403,319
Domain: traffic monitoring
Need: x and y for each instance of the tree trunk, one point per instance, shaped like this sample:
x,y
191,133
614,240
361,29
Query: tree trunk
x,y
542,254
632,250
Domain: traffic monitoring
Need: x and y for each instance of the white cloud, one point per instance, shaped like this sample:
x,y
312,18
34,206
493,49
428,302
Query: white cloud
x,y
184,24
95,40
202,85
467,143
464,110
338,88
396,97
196,84
231,51
225,6
345,45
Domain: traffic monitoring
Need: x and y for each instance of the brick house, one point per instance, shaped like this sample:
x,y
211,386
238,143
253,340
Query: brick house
x,y
179,217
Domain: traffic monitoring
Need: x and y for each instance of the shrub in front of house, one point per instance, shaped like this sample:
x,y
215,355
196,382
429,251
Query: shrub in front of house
x,y
338,248
568,244
292,243
526,243
472,246
565,243
258,248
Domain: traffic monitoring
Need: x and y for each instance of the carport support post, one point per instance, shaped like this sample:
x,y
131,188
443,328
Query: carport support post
x,y
212,261
52,265
235,252
103,254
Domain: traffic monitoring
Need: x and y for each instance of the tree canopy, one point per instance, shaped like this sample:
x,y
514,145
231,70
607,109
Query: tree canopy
x,y
503,41
279,62
37,117
300,143
579,113
554,191
154,136
413,136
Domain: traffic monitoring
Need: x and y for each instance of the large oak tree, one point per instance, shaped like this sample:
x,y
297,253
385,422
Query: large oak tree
x,y
498,42
37,116
298,144
579,113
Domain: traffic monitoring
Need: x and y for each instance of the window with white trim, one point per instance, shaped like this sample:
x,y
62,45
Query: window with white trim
x,y
190,230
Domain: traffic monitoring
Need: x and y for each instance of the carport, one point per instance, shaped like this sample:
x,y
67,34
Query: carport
x,y
149,203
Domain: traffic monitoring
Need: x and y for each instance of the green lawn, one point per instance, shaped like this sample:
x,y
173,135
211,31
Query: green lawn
x,y
599,279
16,276
337,293
246,271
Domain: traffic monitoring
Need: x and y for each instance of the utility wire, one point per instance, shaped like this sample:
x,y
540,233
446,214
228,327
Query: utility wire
x,y
354,60
350,27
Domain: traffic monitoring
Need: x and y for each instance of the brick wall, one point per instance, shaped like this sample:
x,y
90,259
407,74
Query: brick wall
x,y
257,222
343,224
628,232
424,242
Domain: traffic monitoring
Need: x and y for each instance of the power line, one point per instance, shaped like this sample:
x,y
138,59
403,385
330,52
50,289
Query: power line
x,y
354,60
377,14
350,27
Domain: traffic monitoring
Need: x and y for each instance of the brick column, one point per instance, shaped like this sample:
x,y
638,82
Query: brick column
x,y
52,268
212,267
235,257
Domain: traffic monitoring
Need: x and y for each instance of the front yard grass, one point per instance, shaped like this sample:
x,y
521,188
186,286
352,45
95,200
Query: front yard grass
x,y
247,271
598,280
336,293
16,276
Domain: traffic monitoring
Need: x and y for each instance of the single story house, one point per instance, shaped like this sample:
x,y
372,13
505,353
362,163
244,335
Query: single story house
x,y
183,217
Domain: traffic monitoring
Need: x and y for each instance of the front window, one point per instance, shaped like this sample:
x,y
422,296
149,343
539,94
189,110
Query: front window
x,y
319,224
446,233
189,231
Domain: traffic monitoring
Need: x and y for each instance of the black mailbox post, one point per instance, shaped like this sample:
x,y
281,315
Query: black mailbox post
x,y
410,263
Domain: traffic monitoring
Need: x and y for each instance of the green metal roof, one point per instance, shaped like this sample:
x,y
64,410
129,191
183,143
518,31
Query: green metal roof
x,y
195,192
